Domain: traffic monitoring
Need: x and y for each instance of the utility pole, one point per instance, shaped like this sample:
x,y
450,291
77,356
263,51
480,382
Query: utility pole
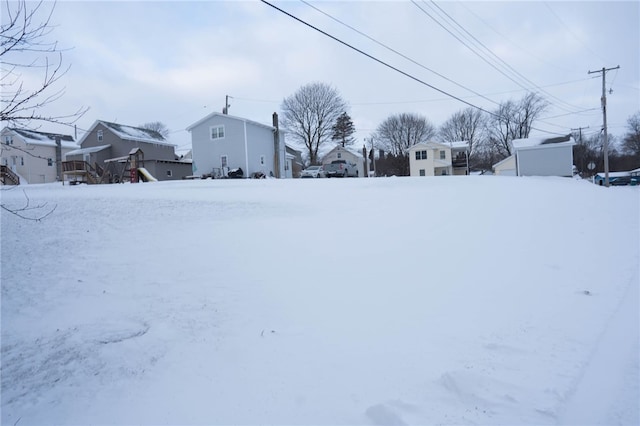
x,y
579,129
225,110
373,156
603,101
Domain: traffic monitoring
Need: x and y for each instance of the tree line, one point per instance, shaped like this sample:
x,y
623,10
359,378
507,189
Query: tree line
x,y
316,115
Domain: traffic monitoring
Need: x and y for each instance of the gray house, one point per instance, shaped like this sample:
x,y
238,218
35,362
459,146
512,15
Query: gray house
x,y
221,143
539,157
106,143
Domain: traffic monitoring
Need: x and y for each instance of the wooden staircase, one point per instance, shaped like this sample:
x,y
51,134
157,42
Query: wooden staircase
x,y
82,172
8,177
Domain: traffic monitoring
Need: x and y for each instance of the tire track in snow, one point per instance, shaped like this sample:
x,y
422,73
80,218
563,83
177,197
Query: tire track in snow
x,y
599,388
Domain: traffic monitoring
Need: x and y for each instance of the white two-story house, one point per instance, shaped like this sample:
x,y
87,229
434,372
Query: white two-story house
x,y
32,155
439,159
222,142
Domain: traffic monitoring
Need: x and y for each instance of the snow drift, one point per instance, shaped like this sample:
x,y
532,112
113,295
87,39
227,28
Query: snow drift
x,y
448,300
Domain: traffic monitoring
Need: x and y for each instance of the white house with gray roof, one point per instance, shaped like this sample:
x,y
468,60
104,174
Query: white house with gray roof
x,y
31,155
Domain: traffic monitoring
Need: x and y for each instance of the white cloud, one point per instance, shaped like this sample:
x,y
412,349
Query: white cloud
x,y
141,61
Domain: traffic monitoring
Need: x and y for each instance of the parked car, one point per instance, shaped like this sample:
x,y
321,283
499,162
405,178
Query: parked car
x,y
340,168
313,172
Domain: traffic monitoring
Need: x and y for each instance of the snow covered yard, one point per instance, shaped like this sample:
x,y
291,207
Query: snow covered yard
x,y
457,300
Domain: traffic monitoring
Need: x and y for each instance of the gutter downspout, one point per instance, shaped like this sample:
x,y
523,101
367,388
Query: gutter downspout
x,y
246,152
276,145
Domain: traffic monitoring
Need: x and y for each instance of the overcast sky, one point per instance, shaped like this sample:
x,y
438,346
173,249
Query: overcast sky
x,y
174,62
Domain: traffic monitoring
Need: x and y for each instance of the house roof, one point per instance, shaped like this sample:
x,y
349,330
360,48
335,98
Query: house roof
x,y
429,145
613,174
233,117
129,133
88,150
540,142
32,137
499,163
343,148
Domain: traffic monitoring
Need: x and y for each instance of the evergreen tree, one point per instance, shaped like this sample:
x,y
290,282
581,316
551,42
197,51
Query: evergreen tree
x,y
343,129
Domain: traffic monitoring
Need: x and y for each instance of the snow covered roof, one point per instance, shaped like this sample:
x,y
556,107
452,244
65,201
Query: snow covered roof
x,y
88,150
32,137
233,117
614,174
344,148
429,145
537,142
135,133
501,162
129,133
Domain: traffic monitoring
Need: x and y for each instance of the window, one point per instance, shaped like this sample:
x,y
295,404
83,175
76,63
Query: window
x,y
443,155
8,140
444,172
223,160
339,155
421,155
217,132
22,161
262,160
100,136
422,172
169,173
50,162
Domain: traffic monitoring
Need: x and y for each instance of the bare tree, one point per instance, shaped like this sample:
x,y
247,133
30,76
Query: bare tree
x,y
158,127
631,141
514,120
469,125
309,115
400,132
24,47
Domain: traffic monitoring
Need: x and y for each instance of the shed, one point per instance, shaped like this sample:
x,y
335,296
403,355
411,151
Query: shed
x,y
539,157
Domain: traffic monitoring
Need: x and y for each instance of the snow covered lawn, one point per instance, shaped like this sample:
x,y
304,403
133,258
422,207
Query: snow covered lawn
x,y
456,300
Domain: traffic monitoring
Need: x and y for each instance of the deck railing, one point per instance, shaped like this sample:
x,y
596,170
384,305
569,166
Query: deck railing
x,y
8,177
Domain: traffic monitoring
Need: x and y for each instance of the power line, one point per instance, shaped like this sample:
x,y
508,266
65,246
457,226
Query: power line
x,y
571,32
397,52
376,59
519,47
471,38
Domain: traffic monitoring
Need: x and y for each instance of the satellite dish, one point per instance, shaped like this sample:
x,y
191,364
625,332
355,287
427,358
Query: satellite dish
x,y
591,165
